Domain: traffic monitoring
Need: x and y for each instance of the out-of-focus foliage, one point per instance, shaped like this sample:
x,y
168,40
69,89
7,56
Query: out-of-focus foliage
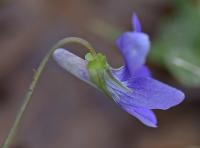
x,y
104,29
177,44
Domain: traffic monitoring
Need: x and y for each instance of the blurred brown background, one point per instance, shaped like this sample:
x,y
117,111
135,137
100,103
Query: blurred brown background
x,y
65,112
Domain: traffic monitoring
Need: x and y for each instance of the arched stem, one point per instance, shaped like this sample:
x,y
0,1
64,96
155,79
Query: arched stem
x,y
32,86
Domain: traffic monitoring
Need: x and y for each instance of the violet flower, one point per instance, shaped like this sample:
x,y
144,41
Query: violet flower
x,y
131,86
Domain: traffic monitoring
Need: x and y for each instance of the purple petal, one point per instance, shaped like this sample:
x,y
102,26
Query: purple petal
x,y
122,73
142,72
146,116
136,23
151,94
134,48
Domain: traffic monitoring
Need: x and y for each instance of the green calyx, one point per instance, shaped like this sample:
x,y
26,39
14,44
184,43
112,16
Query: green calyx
x,y
100,72
97,67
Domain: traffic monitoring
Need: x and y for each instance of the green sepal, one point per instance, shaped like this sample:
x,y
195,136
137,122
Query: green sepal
x,y
100,72
97,66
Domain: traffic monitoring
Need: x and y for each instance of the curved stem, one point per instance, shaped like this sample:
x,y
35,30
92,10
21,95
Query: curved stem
x,y
32,86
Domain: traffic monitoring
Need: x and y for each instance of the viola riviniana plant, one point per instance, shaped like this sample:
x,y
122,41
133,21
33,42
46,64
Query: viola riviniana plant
x,y
130,86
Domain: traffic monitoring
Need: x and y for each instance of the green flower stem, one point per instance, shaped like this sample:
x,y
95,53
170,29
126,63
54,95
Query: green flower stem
x,y
36,78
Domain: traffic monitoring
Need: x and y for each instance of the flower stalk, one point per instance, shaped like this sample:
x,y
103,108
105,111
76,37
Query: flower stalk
x,y
36,77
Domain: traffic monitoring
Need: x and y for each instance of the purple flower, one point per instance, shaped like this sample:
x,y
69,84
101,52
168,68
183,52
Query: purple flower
x,y
131,86
146,93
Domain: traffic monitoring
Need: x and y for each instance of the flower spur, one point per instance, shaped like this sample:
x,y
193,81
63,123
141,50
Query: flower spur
x,y
131,86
